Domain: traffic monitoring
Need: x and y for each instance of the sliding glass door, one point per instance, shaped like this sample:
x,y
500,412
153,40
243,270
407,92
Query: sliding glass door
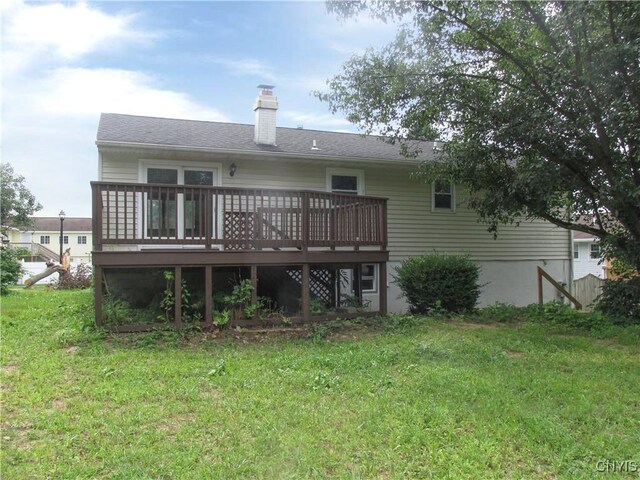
x,y
171,213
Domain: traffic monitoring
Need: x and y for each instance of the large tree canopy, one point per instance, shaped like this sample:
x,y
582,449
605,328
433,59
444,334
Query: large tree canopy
x,y
17,203
538,104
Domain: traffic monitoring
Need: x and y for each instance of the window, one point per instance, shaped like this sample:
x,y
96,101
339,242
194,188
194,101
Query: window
x,y
344,184
576,252
596,251
369,277
82,239
65,239
345,180
161,205
45,239
442,198
194,202
171,214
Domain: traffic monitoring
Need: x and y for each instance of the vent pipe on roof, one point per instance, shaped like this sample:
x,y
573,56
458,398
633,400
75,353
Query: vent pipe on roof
x,y
265,107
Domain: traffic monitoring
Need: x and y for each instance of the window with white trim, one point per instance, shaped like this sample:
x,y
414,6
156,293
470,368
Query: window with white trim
x,y
45,239
345,180
82,239
442,198
65,239
369,278
595,251
576,252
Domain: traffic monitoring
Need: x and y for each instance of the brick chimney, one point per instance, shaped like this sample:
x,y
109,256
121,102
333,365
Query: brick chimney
x,y
265,107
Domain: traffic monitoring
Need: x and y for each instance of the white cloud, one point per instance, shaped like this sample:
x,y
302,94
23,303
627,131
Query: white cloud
x,y
354,35
64,32
246,66
316,121
51,104
87,92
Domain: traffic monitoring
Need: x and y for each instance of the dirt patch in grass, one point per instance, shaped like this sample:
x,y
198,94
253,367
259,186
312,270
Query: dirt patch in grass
x,y
513,353
477,326
9,369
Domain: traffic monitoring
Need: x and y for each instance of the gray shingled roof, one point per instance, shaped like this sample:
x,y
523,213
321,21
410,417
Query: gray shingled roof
x,y
119,128
71,224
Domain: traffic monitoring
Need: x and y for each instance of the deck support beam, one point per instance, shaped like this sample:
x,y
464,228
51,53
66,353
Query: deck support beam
x,y
97,294
357,282
178,297
254,292
382,287
306,299
208,296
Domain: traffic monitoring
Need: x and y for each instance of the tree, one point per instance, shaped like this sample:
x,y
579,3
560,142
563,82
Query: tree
x,y
10,267
538,104
17,203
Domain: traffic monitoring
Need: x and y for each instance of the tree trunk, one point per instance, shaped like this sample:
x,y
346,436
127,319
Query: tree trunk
x,y
61,269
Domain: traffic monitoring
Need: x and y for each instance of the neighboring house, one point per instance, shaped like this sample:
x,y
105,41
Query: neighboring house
x,y
43,238
42,241
587,256
288,207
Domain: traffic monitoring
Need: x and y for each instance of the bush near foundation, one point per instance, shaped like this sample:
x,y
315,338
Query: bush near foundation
x,y
438,282
620,300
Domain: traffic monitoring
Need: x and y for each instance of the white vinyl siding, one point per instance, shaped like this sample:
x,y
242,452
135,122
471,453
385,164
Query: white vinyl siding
x,y
413,228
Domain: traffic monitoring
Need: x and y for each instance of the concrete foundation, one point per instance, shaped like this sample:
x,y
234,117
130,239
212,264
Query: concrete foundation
x,y
511,282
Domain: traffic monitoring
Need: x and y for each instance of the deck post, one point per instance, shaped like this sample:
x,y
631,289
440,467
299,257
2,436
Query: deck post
x,y
177,296
357,282
306,300
305,221
254,292
96,224
208,296
540,294
208,220
97,292
338,287
382,287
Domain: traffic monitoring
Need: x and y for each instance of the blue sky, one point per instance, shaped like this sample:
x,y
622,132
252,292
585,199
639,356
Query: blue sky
x,y
63,63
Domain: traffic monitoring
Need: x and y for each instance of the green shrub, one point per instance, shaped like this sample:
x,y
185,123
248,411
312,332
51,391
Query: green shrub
x,y
447,282
10,268
77,277
620,300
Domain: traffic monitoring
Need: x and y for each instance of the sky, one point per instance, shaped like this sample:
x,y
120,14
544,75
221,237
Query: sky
x,y
63,63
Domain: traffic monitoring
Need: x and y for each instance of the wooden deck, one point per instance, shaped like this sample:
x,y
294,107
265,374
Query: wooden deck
x,y
234,219
173,226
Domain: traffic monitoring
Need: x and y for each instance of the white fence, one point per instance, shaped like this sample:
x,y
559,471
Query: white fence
x,y
33,268
587,289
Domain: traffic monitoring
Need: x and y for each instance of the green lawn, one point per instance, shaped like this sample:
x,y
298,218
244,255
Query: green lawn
x,y
430,399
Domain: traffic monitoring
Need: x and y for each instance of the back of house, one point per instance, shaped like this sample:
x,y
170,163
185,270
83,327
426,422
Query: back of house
x,y
220,196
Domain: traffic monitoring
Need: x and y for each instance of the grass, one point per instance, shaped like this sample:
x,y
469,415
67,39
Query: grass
x,y
417,398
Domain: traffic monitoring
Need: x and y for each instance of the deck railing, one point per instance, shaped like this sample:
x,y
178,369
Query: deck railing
x,y
234,218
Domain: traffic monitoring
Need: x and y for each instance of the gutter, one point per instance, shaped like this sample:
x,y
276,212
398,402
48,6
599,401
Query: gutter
x,y
258,154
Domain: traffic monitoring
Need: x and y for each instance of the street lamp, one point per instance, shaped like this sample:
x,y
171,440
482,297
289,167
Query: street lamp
x,y
61,215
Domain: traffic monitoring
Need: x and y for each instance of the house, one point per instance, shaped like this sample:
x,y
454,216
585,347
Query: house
x,y
42,240
587,256
310,217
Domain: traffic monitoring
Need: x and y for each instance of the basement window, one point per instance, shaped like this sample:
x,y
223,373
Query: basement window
x,y
369,278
